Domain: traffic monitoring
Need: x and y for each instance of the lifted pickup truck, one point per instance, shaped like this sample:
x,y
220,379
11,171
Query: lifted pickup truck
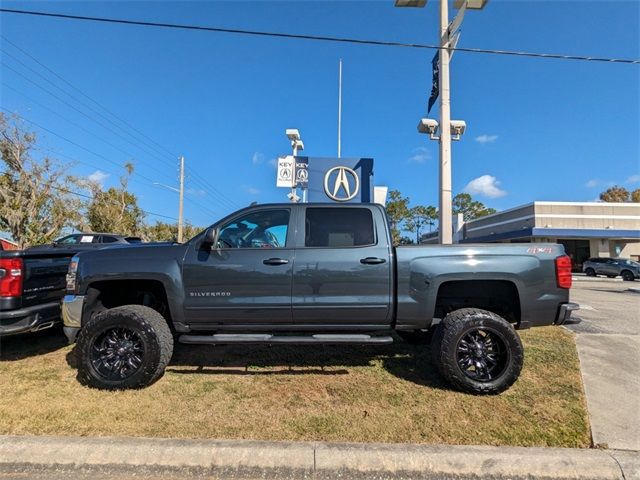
x,y
312,274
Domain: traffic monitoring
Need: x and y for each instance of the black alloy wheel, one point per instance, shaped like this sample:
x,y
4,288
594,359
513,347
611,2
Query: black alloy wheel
x,y
477,351
627,276
117,354
590,272
123,347
482,354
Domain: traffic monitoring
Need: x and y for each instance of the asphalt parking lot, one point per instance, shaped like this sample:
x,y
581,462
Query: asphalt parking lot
x,y
608,341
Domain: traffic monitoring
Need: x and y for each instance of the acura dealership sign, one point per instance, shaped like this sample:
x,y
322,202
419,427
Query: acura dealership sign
x,y
343,186
338,179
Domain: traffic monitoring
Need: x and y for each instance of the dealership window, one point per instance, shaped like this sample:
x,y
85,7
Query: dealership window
x,y
260,229
334,227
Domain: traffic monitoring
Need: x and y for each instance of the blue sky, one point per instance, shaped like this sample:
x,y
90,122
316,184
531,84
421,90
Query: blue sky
x,y
537,129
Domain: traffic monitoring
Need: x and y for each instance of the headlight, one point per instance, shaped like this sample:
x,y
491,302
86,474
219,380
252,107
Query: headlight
x,y
71,274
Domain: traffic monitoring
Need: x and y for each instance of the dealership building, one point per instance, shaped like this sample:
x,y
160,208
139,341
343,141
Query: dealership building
x,y
586,229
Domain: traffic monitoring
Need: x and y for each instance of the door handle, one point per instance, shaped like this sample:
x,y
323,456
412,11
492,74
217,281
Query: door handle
x,y
372,260
275,261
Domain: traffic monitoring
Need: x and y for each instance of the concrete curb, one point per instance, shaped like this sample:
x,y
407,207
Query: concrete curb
x,y
584,278
275,460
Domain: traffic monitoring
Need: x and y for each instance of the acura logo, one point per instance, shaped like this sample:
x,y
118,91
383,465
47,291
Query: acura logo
x,y
345,186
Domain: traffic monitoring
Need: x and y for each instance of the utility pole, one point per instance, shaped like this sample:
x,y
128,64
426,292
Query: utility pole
x,y
181,207
339,108
445,230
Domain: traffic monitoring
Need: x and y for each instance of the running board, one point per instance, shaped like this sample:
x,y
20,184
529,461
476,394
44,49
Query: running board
x,y
226,338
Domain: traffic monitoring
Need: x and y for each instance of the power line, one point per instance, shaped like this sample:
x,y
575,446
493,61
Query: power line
x,y
318,37
66,119
74,143
63,101
60,77
83,195
207,186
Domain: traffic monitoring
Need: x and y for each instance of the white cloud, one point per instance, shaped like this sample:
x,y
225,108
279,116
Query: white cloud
x,y
486,138
273,162
196,191
420,155
257,158
251,190
98,177
633,179
592,183
486,185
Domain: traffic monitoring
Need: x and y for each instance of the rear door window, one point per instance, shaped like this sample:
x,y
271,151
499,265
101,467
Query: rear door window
x,y
338,227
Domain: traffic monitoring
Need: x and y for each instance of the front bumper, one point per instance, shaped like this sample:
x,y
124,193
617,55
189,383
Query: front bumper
x,y
29,319
72,306
564,314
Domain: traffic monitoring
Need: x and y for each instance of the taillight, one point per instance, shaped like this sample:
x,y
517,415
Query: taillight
x,y
563,271
11,279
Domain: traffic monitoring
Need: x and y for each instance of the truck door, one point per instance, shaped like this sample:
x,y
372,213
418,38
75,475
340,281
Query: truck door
x,y
247,278
342,270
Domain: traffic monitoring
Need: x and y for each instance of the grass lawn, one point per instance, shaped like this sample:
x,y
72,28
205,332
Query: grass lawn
x,y
341,393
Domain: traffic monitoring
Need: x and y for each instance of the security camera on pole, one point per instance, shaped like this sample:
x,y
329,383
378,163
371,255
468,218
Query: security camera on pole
x,y
449,34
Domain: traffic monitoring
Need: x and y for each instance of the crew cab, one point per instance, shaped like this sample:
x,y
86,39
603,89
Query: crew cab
x,y
312,274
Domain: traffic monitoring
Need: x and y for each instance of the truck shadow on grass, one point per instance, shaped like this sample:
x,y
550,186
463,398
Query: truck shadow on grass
x,y
25,345
409,362
405,361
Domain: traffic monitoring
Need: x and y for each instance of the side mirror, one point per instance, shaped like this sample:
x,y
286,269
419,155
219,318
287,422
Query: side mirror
x,y
210,239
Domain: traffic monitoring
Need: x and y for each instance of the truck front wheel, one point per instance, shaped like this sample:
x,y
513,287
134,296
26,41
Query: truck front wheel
x,y
478,351
124,347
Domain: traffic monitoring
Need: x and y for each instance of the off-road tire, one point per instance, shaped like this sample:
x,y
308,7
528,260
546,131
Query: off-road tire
x,y
454,327
590,272
153,332
627,276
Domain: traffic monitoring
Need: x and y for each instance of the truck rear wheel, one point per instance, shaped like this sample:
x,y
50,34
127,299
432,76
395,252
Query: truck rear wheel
x,y
124,347
477,351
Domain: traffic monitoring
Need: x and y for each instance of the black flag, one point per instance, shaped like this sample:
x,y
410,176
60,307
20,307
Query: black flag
x,y
435,89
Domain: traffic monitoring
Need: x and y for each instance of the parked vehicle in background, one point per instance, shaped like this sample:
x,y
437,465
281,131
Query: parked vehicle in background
x,y
31,286
312,274
88,241
612,267
32,281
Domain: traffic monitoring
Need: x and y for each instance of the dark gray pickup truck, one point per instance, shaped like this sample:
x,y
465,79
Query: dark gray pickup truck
x,y
312,274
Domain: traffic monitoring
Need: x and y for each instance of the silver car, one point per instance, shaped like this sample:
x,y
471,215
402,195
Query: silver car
x,y
612,267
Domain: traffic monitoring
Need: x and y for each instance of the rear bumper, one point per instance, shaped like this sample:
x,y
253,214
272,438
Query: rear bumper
x,y
564,314
29,319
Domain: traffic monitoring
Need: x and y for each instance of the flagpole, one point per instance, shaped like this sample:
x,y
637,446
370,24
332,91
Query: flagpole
x,y
339,107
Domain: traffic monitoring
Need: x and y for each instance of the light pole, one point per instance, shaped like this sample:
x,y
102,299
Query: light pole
x,y
445,213
296,144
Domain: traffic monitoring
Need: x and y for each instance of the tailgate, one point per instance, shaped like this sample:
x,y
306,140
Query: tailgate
x,y
44,277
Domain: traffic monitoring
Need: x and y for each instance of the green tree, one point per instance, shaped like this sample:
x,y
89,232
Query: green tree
x,y
419,217
35,199
469,208
116,209
398,213
168,232
615,194
635,195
